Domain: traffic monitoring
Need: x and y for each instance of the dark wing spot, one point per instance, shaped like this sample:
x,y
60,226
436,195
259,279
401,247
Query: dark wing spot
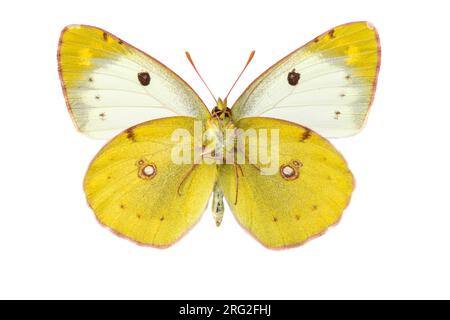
x,y
316,40
105,36
90,79
109,178
314,207
122,206
306,135
162,218
331,34
120,41
130,134
348,77
297,217
102,115
138,216
342,95
97,97
144,78
275,219
337,114
293,77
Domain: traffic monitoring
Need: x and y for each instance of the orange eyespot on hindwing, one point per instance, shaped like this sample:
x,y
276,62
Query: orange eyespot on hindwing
x,y
146,170
291,171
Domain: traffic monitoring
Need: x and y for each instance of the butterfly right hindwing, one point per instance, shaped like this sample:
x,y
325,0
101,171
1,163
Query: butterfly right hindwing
x,y
310,189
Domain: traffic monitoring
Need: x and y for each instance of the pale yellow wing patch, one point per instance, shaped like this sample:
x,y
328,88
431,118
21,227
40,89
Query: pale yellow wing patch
x,y
327,85
110,85
308,193
134,187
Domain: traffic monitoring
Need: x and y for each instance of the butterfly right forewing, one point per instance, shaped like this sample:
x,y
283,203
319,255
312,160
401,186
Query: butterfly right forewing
x,y
327,85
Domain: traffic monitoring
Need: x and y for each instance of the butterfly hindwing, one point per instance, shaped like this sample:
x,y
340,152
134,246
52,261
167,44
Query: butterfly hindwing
x,y
110,85
307,194
327,85
135,188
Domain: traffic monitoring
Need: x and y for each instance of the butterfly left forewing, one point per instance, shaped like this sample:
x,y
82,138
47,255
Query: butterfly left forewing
x,y
110,85
310,189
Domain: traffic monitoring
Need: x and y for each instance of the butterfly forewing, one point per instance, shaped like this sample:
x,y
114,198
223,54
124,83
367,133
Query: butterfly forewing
x,y
327,85
110,85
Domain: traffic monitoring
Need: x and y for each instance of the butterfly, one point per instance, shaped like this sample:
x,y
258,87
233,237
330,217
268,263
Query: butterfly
x,y
114,90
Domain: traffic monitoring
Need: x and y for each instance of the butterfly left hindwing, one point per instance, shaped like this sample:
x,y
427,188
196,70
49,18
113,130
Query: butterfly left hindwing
x,y
135,188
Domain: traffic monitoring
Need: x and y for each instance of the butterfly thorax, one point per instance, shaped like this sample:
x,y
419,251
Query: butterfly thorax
x,y
219,134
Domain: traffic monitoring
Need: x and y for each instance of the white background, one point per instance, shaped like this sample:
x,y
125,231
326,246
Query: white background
x,y
393,241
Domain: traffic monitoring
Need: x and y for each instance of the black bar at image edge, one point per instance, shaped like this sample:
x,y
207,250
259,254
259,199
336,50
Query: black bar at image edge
x,y
224,309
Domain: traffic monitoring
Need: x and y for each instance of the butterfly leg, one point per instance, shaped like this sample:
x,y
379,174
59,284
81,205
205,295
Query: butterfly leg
x,y
236,172
247,160
186,176
217,205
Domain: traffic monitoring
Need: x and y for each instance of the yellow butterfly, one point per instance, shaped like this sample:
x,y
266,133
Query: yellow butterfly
x,y
135,187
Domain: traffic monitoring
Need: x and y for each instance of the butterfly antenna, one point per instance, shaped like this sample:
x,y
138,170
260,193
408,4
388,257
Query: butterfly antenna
x,y
193,65
252,54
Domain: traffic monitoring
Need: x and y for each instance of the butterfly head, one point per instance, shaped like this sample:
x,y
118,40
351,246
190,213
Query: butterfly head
x,y
221,111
